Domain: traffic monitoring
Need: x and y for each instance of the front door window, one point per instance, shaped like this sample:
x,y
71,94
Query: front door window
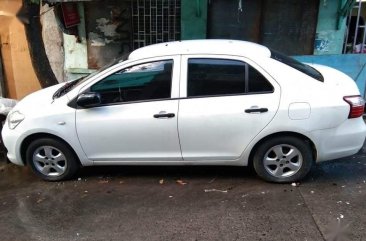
x,y
147,81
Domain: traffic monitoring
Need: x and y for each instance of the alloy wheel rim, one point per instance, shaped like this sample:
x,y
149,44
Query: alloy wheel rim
x,y
49,161
283,160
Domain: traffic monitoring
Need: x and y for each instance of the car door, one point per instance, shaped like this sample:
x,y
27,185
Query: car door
x,y
226,102
137,117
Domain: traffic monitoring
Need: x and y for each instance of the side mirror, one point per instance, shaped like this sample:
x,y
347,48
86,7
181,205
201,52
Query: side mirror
x,y
88,100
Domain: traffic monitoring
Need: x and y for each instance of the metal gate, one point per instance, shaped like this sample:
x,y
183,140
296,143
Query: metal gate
x,y
155,21
356,34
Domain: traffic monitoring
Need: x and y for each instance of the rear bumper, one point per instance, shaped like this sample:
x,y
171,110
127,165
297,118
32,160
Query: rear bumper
x,y
345,140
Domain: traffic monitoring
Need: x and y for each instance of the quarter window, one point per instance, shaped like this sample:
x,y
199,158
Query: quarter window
x,y
141,82
211,77
257,83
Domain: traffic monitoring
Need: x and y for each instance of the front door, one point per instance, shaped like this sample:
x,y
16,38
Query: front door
x,y
229,101
137,120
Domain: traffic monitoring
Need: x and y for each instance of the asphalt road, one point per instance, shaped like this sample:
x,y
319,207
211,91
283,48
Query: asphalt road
x,y
185,203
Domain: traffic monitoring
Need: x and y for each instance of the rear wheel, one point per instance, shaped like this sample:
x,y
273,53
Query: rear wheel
x,y
283,159
51,159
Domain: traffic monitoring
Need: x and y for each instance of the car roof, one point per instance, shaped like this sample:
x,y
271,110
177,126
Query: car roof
x,y
206,46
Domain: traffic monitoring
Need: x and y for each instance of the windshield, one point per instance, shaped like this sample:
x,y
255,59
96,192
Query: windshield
x,y
74,83
304,68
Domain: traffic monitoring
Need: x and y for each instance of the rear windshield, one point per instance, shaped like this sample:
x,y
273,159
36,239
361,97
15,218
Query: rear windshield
x,y
304,68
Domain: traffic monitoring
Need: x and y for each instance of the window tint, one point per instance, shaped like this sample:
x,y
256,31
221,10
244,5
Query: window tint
x,y
208,77
304,68
257,82
215,77
140,82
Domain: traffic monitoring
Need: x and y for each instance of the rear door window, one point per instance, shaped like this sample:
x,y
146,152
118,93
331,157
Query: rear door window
x,y
217,77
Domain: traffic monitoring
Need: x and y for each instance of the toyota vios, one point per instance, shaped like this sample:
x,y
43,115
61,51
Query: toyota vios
x,y
200,102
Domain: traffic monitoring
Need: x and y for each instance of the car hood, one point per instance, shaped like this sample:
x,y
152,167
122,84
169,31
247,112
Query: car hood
x,y
39,100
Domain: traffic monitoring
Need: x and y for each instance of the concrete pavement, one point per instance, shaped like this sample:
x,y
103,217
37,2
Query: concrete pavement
x,y
184,203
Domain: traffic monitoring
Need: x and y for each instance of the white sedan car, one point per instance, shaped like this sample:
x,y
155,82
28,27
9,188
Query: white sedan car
x,y
199,102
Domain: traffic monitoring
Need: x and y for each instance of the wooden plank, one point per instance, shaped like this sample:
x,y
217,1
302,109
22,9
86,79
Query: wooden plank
x,y
2,77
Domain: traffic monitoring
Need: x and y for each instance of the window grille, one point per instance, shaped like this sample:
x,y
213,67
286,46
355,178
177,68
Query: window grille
x,y
356,34
155,21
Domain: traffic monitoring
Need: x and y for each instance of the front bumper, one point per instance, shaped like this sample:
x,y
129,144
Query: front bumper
x,y
12,140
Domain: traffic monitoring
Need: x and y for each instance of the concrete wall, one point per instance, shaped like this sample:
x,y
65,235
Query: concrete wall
x,y
108,31
19,74
329,33
53,42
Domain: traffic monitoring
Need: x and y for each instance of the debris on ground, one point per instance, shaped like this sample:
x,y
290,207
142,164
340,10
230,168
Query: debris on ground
x,y
312,192
170,196
294,184
79,179
161,181
341,216
212,180
215,190
121,182
181,182
103,181
40,200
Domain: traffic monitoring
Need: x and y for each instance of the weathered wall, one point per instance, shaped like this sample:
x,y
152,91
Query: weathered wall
x,y
193,19
108,30
329,36
19,74
53,42
75,49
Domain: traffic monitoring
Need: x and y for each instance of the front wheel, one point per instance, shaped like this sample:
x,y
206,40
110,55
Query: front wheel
x,y
283,159
51,159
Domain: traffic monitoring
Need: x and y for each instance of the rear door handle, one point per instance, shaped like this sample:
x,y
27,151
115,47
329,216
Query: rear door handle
x,y
164,115
256,110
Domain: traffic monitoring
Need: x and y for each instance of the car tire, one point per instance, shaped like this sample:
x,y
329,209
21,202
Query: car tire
x,y
283,159
51,159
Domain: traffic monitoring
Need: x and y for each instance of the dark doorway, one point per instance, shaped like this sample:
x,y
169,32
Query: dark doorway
x,y
227,21
285,25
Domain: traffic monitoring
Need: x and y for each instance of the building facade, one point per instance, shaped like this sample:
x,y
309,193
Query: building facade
x,y
83,35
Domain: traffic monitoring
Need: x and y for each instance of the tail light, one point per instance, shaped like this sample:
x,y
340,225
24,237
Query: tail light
x,y
357,104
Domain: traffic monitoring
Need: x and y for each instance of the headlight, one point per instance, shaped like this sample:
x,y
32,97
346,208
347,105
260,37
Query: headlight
x,y
14,119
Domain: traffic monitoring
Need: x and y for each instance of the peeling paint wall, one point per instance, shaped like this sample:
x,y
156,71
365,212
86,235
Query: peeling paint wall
x,y
75,47
109,31
329,39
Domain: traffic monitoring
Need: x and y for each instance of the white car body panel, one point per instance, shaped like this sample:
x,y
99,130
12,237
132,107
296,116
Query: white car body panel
x,y
210,130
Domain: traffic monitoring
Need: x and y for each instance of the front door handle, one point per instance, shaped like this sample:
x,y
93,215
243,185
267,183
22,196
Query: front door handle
x,y
256,110
164,115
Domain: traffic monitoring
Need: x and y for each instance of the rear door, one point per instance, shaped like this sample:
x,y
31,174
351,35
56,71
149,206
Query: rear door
x,y
226,102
